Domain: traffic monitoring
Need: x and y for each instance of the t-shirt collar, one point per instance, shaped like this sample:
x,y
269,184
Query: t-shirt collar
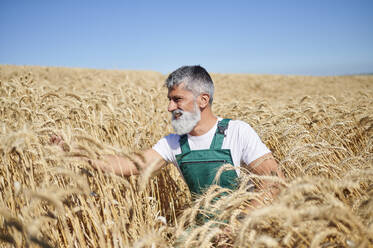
x,y
208,133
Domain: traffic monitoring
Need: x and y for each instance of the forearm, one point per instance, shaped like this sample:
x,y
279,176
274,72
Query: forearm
x,y
267,189
267,166
118,165
148,160
270,186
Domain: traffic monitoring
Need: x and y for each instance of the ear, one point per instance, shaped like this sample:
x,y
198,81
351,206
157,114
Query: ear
x,y
203,100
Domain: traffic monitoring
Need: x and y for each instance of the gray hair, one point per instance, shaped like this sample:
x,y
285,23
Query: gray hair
x,y
195,78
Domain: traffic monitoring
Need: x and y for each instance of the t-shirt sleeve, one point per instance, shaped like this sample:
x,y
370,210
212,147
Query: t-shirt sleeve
x,y
253,147
164,149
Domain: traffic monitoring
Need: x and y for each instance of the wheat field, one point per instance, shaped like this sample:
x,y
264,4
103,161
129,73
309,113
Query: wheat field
x,y
320,130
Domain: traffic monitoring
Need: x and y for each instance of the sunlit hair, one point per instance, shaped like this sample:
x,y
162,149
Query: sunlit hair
x,y
195,78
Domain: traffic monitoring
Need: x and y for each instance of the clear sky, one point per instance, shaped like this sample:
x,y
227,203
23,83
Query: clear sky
x,y
309,37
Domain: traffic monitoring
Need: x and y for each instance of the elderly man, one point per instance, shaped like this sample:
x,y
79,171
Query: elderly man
x,y
202,142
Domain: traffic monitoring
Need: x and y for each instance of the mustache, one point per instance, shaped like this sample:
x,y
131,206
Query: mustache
x,y
177,112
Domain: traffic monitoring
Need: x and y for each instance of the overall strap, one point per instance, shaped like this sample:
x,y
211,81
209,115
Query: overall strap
x,y
184,145
217,142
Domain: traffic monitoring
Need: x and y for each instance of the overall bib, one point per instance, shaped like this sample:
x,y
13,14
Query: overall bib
x,y
199,167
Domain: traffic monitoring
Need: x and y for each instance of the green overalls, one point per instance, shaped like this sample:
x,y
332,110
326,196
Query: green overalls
x,y
199,167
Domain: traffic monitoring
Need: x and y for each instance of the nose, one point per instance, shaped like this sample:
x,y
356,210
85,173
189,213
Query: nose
x,y
172,106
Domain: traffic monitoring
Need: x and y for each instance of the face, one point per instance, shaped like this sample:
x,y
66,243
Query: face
x,y
184,109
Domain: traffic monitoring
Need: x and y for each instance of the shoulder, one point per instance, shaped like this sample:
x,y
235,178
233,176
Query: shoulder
x,y
241,129
167,144
234,123
238,124
172,137
171,140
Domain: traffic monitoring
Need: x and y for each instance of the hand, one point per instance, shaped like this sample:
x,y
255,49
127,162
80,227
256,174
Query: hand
x,y
58,140
225,239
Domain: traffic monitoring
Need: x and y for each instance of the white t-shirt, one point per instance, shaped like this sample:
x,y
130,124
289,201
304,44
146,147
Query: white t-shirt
x,y
241,139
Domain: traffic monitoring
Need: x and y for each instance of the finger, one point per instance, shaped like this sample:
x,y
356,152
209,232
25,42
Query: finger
x,y
53,139
56,139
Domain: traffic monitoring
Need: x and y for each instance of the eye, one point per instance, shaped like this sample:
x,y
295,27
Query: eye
x,y
177,99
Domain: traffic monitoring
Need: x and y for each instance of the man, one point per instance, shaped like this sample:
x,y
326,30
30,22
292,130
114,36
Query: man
x,y
202,142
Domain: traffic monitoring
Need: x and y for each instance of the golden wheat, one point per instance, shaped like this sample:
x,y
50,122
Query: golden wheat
x,y
319,129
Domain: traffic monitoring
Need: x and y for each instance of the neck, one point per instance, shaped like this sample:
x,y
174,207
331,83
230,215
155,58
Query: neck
x,y
208,120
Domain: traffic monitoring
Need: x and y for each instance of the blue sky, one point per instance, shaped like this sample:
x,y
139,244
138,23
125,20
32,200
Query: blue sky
x,y
329,37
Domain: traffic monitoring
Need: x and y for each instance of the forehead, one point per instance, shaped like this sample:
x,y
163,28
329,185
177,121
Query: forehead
x,y
179,90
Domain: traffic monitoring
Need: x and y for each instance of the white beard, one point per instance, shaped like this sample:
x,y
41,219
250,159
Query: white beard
x,y
187,121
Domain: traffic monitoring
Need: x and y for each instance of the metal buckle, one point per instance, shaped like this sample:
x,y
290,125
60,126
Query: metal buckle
x,y
221,130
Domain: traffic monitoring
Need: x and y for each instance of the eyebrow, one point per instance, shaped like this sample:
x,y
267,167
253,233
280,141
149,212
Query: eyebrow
x,y
174,98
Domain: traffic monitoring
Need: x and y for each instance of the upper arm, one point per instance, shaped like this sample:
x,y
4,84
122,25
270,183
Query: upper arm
x,y
266,165
250,144
153,158
165,147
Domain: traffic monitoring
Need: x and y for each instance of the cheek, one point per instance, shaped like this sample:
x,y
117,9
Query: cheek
x,y
191,106
183,105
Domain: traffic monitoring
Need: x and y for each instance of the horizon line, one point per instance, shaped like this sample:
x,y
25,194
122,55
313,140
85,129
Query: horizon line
x,y
210,72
